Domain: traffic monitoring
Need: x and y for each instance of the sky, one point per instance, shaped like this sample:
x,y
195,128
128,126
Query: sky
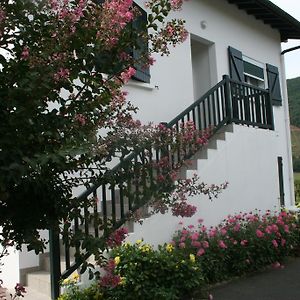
x,y
292,59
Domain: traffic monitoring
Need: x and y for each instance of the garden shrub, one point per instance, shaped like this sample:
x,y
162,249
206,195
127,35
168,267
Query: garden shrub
x,y
139,272
241,244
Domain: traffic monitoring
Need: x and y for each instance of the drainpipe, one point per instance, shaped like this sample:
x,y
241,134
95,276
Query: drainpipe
x,y
287,128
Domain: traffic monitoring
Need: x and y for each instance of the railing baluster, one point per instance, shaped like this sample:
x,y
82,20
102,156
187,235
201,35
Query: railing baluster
x,y
209,111
257,107
121,200
113,204
252,102
204,113
104,207
214,115
199,117
96,215
246,105
218,106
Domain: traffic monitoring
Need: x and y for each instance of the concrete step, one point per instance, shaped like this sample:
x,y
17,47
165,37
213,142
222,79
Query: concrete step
x,y
39,282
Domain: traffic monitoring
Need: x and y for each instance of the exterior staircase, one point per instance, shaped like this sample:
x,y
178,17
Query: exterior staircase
x,y
226,103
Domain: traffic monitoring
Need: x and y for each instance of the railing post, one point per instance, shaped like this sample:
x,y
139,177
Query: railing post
x,y
228,104
55,271
269,108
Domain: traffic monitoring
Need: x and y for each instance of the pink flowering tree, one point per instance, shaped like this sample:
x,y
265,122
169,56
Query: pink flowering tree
x,y
63,112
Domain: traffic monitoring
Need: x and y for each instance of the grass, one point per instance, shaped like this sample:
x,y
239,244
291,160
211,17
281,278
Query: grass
x,y
297,177
295,135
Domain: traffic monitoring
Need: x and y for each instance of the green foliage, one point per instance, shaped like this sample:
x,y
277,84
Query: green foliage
x,y
149,274
75,293
293,86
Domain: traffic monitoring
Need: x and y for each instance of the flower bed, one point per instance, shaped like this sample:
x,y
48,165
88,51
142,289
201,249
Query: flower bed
x,y
241,244
198,256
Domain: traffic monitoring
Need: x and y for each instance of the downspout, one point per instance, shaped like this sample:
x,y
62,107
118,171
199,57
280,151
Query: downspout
x,y
287,128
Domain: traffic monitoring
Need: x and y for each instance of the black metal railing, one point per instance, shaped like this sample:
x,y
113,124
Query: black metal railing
x,y
121,191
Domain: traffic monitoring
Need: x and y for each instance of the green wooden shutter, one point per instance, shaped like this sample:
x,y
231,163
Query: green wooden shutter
x,y
236,64
140,24
274,84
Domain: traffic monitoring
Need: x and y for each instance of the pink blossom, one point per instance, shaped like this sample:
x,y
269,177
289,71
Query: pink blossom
x,y
25,53
259,233
275,244
2,15
126,75
244,242
276,265
286,228
181,245
183,209
223,231
205,244
283,242
62,74
212,232
200,252
274,228
222,244
195,236
196,244
117,237
81,119
237,227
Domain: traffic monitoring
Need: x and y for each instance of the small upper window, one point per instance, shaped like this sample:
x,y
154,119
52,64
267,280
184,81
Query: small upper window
x,y
254,73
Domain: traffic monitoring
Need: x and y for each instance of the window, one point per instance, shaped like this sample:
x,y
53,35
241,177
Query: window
x,y
254,72
245,69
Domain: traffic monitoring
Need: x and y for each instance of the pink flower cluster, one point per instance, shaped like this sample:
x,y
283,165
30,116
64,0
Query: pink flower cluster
x,y
243,234
176,4
62,74
183,209
117,237
110,279
2,15
127,74
116,14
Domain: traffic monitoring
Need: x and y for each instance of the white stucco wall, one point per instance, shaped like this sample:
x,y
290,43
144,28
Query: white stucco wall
x,y
10,269
248,157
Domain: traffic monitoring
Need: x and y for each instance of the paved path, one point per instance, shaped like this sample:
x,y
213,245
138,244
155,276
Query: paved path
x,y
273,284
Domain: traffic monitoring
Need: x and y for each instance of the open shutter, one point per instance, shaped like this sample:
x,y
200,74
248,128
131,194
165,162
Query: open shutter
x,y
274,84
236,64
140,24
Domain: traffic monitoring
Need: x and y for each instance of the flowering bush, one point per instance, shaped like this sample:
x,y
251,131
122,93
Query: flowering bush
x,y
241,243
54,98
139,272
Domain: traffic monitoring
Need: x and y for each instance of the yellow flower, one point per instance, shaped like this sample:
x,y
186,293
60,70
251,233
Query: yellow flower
x,y
139,242
192,258
75,276
117,260
145,248
122,281
127,245
66,281
169,247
